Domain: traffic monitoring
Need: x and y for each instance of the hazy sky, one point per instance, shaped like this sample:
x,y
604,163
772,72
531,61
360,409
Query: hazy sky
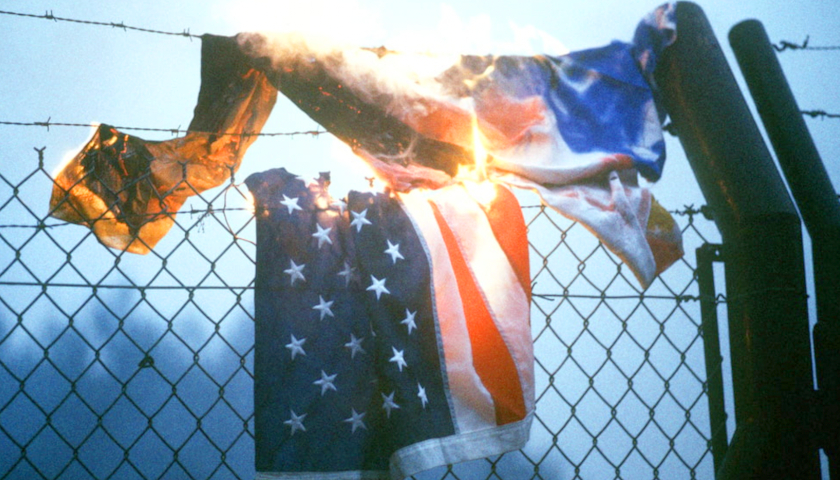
x,y
75,73
80,73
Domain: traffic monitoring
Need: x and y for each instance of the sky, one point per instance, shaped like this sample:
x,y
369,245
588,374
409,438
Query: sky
x,y
56,70
76,73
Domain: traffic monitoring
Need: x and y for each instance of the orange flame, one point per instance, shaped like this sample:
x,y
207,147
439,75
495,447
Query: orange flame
x,y
479,151
479,187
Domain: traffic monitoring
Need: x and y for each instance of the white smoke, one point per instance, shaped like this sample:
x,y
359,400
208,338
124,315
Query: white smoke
x,y
344,19
392,81
327,33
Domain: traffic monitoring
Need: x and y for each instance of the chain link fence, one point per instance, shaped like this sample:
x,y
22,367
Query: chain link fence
x,y
114,365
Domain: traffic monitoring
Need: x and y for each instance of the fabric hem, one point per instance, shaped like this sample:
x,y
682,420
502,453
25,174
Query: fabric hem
x,y
458,448
431,453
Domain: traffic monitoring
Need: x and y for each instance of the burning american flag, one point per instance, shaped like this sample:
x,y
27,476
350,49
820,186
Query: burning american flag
x,y
393,328
577,128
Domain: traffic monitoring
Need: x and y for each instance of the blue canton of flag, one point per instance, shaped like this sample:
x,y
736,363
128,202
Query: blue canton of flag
x,y
392,331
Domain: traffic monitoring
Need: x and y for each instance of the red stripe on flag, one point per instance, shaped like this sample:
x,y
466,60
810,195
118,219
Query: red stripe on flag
x,y
491,358
508,225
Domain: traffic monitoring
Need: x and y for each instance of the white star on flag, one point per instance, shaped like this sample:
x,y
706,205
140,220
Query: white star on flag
x,y
326,382
394,252
359,220
356,420
398,358
295,271
409,321
388,403
296,422
347,273
291,203
323,307
355,346
377,286
323,235
340,205
296,347
421,392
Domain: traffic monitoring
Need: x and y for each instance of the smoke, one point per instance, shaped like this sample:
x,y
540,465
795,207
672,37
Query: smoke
x,y
331,32
362,23
344,19
416,74
395,82
476,35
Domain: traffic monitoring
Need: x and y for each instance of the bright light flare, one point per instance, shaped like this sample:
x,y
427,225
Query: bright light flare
x,y
479,151
250,203
483,192
73,152
481,189
351,172
348,20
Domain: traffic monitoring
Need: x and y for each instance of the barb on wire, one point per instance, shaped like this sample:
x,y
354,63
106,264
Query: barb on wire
x,y
820,114
50,16
785,45
174,131
690,211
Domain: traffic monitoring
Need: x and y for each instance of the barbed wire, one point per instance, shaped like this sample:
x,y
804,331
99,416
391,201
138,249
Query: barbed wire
x,y
690,211
174,131
50,16
785,45
820,113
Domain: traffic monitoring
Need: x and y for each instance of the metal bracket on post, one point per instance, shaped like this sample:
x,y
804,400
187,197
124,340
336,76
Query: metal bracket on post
x,y
707,254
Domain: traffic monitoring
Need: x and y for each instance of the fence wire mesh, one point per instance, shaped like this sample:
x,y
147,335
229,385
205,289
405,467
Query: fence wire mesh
x,y
114,365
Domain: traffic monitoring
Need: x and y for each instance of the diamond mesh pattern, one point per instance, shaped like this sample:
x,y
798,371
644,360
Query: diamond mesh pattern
x,y
121,366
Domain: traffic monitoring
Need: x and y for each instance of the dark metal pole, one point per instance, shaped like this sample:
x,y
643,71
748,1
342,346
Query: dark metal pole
x,y
762,242
707,254
818,204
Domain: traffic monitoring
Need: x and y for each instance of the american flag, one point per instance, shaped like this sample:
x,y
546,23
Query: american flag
x,y
392,331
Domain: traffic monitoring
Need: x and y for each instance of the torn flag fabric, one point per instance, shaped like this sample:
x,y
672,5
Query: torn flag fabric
x,y
575,128
578,129
128,190
392,331
553,119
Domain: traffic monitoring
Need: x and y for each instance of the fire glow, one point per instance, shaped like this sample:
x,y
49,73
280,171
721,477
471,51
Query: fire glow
x,y
476,182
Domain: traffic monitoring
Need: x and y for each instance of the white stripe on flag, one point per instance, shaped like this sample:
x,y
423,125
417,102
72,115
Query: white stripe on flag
x,y
503,294
472,404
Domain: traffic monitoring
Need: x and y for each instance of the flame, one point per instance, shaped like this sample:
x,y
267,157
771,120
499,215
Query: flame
x,y
481,189
483,192
479,151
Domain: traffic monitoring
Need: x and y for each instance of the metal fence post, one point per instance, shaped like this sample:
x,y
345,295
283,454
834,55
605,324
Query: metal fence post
x,y
818,204
707,254
761,232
